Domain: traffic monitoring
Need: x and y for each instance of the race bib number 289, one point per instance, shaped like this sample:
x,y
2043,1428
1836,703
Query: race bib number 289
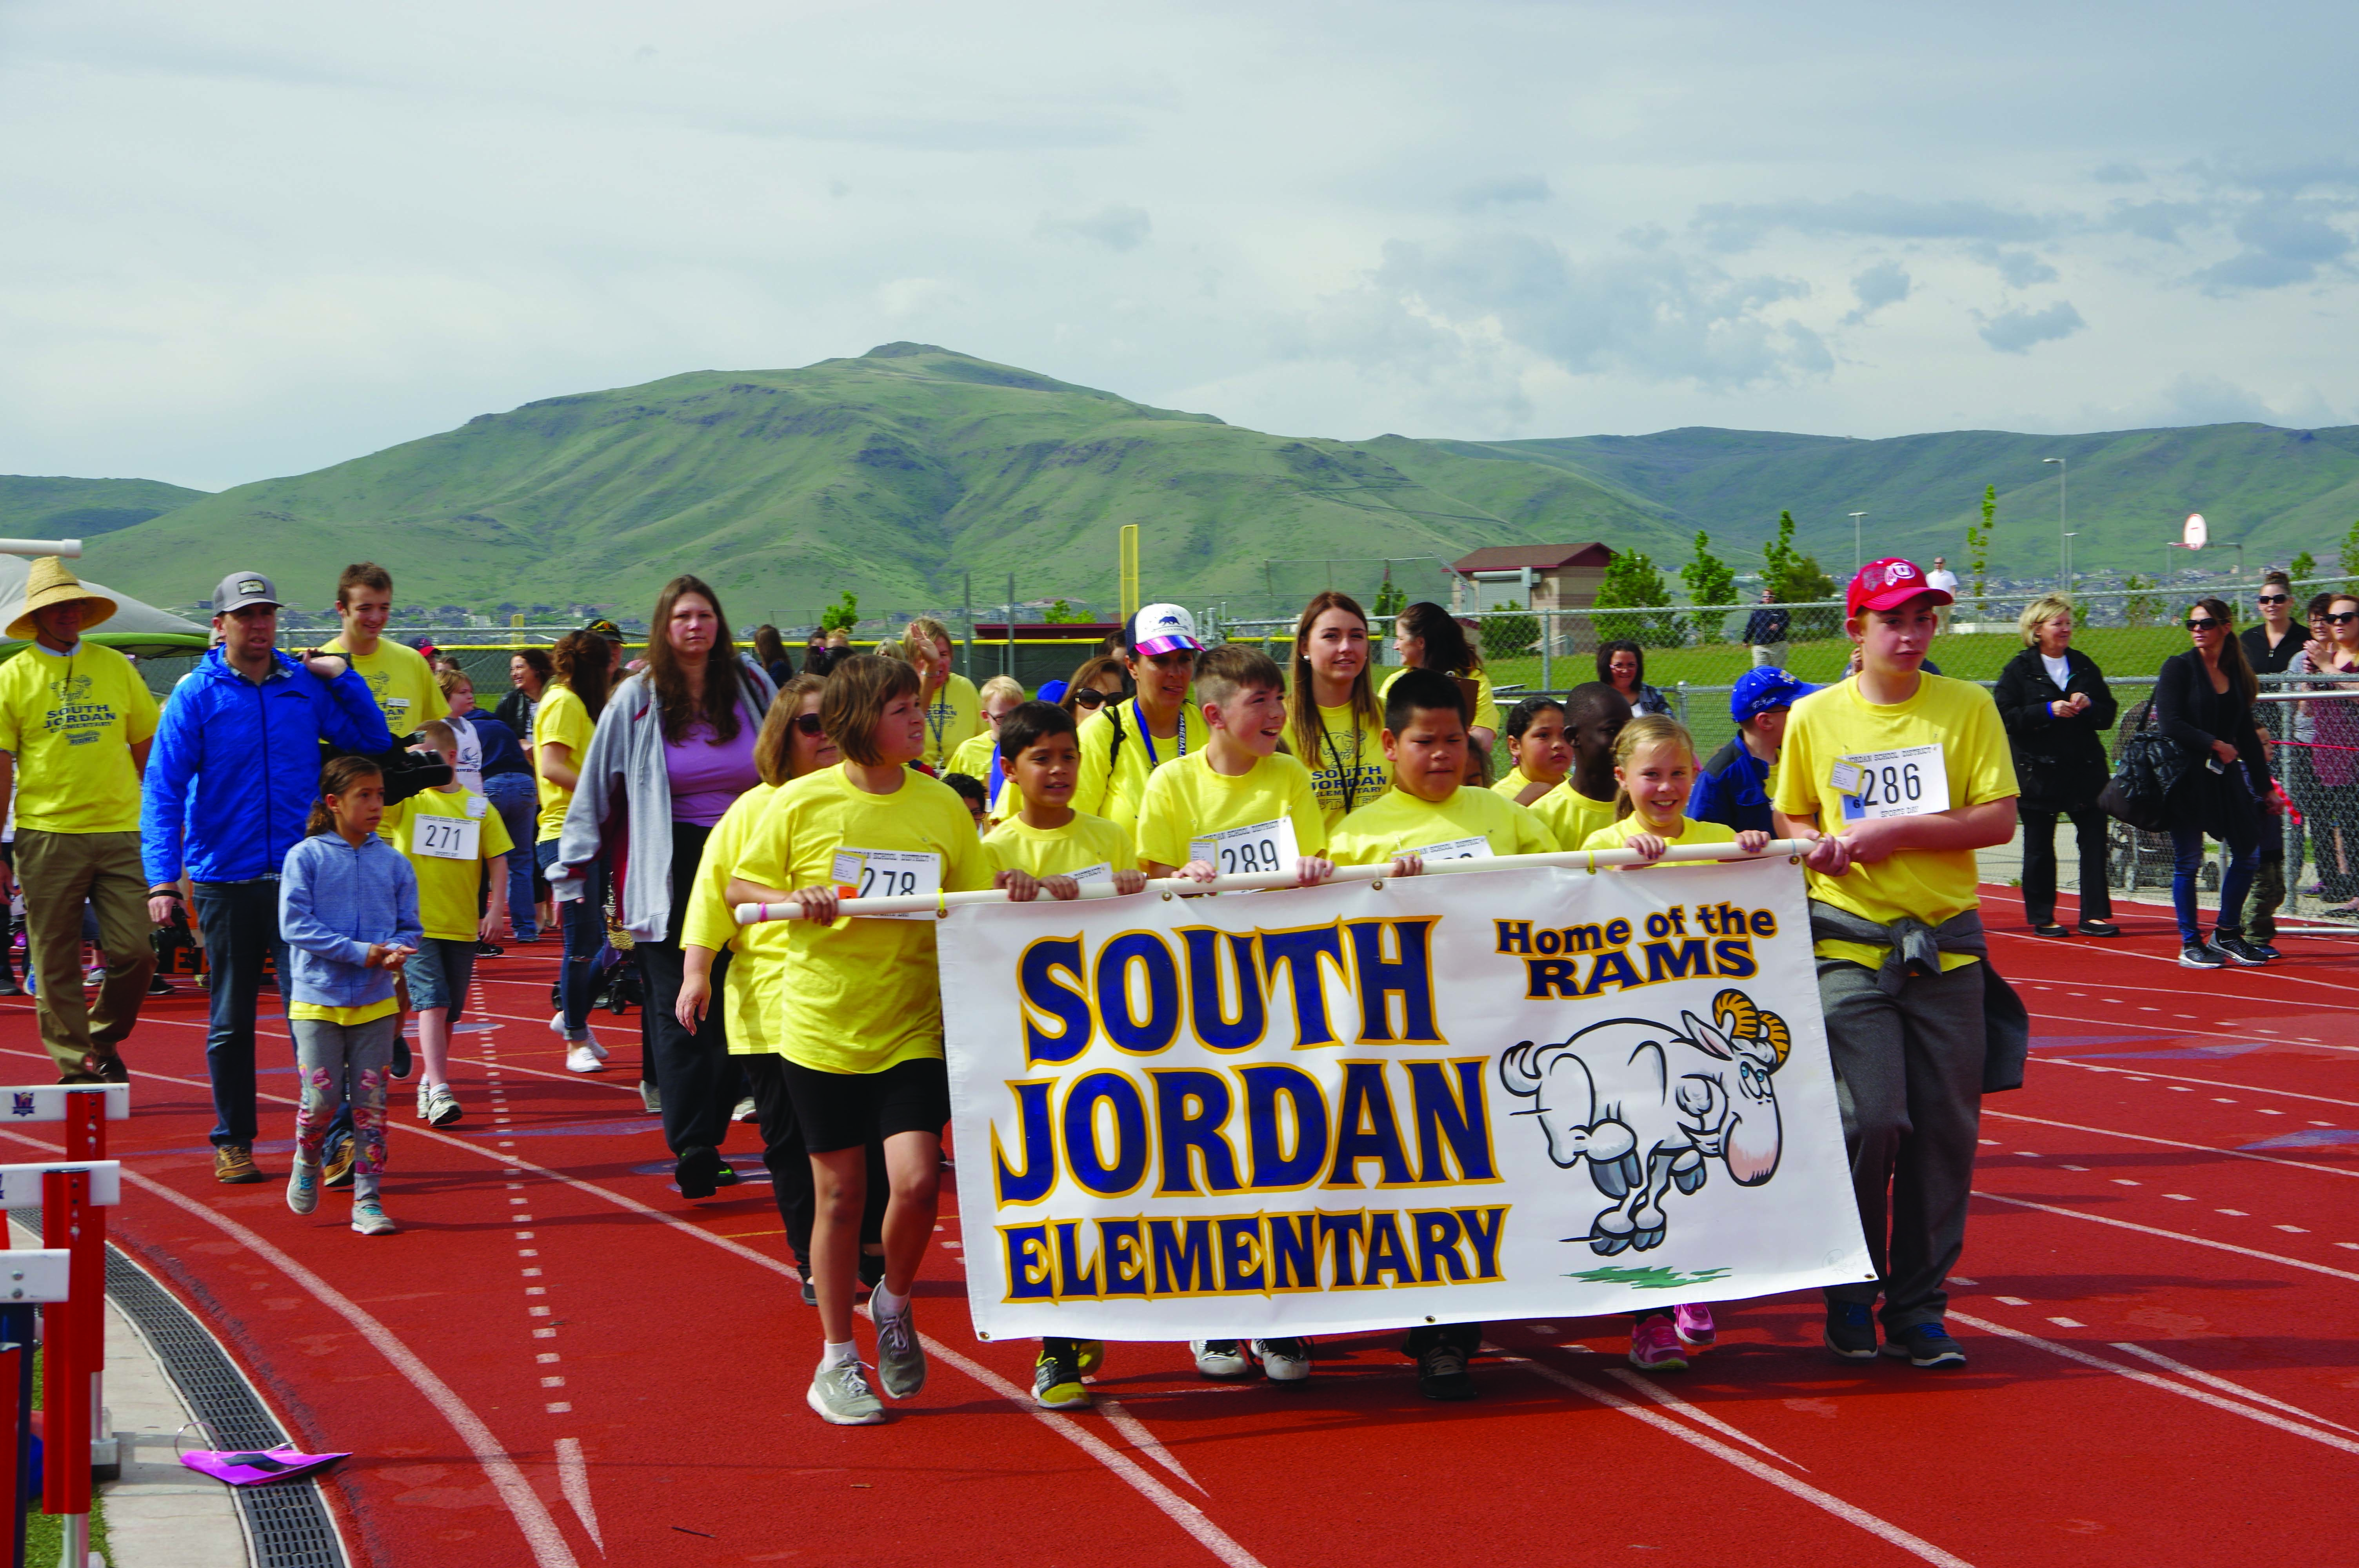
x,y
1912,782
1242,851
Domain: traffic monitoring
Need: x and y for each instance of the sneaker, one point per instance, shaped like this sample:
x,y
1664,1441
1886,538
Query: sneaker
x,y
900,1359
1851,1330
1694,1326
303,1187
1092,1354
1284,1360
424,1111
595,1049
106,1067
2098,928
1220,1357
402,1063
157,986
2200,955
2239,951
810,1291
1056,1383
651,1098
1441,1374
1654,1346
726,1175
745,1111
94,976
368,1218
840,1395
440,1106
1926,1345
582,1059
338,1172
234,1162
9,986
488,949
557,1020
2267,950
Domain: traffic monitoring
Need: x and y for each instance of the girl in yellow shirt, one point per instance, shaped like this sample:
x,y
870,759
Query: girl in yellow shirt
x,y
1333,722
1655,767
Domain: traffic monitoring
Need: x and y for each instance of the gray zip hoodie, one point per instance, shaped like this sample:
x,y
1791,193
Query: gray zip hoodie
x,y
623,775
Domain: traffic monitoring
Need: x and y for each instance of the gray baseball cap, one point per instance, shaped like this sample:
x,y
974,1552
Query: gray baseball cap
x,y
240,589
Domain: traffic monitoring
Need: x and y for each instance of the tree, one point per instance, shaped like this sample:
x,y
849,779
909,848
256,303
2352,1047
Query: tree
x,y
2142,607
843,615
1709,579
2303,568
1798,579
1509,636
1063,614
2351,559
1390,600
1631,579
1978,543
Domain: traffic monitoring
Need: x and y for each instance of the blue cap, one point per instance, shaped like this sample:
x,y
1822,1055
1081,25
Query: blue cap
x,y
1759,690
1051,691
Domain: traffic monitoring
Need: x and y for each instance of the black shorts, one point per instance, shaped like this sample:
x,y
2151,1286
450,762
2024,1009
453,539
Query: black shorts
x,y
846,1110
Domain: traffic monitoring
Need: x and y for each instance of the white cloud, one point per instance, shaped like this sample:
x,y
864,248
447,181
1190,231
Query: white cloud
x,y
2019,331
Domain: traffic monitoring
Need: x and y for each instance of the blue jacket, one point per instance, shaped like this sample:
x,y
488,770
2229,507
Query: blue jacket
x,y
1732,789
333,900
235,766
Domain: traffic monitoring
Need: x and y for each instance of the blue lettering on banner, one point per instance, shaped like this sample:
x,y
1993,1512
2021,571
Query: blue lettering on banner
x,y
1161,1257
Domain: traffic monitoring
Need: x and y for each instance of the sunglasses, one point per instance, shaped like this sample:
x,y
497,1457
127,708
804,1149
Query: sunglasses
x,y
2276,597
1090,696
807,724
2339,617
2202,624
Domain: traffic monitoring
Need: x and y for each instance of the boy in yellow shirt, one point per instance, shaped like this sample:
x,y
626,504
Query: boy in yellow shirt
x,y
449,834
399,678
1428,812
1239,804
1909,773
862,1037
1063,849
1594,716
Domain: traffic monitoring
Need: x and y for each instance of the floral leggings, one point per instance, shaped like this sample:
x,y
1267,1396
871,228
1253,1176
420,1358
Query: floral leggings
x,y
338,1060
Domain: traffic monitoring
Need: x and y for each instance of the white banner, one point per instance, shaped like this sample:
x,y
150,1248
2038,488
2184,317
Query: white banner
x,y
1528,1092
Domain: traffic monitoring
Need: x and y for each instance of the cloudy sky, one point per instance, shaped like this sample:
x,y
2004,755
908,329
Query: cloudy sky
x,y
246,240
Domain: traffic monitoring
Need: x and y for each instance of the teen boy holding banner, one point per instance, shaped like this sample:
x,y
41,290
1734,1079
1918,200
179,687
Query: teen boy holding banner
x,y
1910,773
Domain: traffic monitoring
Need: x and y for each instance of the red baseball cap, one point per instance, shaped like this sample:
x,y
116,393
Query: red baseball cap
x,y
1888,584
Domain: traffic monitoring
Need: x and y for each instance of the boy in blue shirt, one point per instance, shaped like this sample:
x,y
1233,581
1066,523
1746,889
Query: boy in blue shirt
x,y
1733,787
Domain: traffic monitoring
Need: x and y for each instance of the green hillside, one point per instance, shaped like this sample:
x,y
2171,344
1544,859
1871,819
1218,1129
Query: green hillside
x,y
894,474
40,508
890,475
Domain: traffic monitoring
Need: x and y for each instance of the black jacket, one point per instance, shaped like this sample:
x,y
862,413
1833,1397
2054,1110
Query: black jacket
x,y
2226,804
2060,763
515,711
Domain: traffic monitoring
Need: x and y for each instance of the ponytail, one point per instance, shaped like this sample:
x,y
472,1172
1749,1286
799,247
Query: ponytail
x,y
341,774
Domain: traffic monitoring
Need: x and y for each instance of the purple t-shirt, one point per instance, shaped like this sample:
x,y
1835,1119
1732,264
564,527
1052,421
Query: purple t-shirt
x,y
707,777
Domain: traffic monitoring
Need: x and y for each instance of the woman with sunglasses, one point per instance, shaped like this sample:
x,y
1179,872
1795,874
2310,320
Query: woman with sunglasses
x,y
2204,700
2329,732
1099,681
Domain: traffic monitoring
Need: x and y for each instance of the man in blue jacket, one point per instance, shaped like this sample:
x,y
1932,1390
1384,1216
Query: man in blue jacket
x,y
231,778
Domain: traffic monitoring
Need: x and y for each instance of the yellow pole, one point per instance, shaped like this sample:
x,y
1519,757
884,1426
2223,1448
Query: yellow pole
x,y
1129,571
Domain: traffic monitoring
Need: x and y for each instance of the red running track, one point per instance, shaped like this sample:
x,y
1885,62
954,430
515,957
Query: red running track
x,y
560,1361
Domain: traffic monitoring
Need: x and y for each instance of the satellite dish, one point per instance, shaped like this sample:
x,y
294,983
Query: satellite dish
x,y
2193,535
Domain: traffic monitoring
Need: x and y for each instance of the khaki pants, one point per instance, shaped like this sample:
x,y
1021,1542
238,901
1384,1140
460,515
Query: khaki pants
x,y
59,871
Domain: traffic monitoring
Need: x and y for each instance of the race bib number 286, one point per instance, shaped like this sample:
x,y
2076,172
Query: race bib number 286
x,y
1912,782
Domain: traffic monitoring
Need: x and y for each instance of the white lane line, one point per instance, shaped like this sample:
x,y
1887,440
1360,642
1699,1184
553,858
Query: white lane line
x,y
2213,1380
2176,1143
2010,1300
1849,1513
2068,1323
540,1532
2154,1381
1181,1511
1135,1431
573,1480
2205,1083
2277,978
2172,1031
1670,1400
2172,1235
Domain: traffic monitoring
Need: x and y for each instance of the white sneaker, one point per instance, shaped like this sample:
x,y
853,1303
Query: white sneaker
x,y
556,1022
745,1110
652,1098
1283,1360
441,1106
581,1058
597,1050
1221,1357
424,1111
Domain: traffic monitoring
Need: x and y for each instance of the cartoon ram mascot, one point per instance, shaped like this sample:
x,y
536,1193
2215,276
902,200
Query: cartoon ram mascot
x,y
1646,1106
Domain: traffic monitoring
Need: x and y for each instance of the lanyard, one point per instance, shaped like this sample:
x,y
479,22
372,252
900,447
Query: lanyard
x,y
1335,757
1155,758
937,725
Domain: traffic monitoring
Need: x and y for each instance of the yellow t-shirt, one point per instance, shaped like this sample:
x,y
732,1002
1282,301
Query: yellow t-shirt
x,y
973,757
1571,815
401,681
1083,842
1399,822
1114,784
560,720
1614,835
754,993
1929,885
1348,767
1486,706
71,722
320,1012
446,888
1187,799
951,718
866,993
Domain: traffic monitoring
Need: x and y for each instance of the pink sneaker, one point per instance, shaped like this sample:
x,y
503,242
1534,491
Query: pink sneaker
x,y
1693,1324
1654,1346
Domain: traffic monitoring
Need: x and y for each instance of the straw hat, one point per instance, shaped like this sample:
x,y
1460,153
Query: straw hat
x,y
52,582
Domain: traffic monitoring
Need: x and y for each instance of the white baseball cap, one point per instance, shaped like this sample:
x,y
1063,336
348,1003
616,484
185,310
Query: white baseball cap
x,y
1162,628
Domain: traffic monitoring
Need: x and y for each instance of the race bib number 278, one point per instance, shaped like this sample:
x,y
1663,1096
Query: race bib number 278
x,y
888,873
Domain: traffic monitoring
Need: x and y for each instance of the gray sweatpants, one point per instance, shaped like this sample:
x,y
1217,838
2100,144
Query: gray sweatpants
x,y
343,1062
1909,1076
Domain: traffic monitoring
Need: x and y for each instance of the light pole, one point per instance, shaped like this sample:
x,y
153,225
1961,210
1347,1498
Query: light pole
x,y
2063,551
2068,558
1855,562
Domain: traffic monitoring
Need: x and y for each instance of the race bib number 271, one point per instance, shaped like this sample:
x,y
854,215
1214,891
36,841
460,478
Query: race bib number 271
x,y
1912,782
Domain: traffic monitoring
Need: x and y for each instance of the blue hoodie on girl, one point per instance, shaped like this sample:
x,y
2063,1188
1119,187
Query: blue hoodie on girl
x,y
334,900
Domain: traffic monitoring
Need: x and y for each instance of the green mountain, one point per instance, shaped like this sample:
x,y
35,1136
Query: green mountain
x,y
897,473
40,508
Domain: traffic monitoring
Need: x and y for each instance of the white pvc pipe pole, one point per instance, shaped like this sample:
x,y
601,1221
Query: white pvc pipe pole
x,y
69,549
1182,886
